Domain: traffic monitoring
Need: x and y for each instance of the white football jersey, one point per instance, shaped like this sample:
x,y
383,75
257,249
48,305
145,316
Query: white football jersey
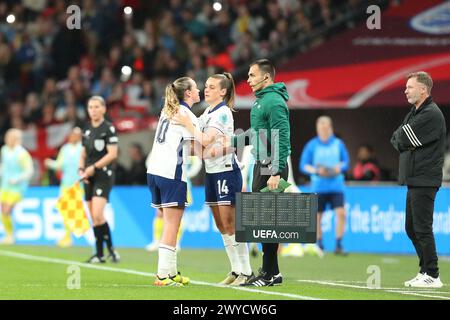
x,y
169,155
220,118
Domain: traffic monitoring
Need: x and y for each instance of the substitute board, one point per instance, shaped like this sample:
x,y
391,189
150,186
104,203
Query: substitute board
x,y
276,217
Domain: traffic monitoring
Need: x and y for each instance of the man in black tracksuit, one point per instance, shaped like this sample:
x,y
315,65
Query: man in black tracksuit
x,y
420,140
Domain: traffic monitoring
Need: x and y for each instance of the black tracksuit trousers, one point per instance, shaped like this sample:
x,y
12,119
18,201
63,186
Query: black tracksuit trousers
x,y
270,250
419,226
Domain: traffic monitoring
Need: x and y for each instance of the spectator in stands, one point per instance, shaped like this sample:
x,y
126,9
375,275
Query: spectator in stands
x,y
220,30
137,175
272,15
103,86
74,116
197,70
48,115
300,25
15,118
244,23
161,40
32,110
366,168
9,70
49,91
62,56
246,49
133,94
277,37
121,173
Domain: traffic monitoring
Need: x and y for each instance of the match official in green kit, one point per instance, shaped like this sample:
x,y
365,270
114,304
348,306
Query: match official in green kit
x,y
270,136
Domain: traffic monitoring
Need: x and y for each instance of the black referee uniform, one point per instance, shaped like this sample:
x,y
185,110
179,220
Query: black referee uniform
x,y
420,140
95,141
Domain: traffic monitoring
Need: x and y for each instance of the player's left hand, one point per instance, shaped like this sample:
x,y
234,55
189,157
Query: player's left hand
x,y
273,182
13,181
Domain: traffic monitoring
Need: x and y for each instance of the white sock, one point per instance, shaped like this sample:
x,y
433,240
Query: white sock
x,y
230,248
243,256
173,267
167,258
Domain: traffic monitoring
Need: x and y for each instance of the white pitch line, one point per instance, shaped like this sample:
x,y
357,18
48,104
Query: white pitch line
x,y
391,290
330,283
418,294
403,289
145,274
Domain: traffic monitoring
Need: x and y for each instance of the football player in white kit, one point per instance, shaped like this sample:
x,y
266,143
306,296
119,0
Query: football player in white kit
x,y
223,176
166,174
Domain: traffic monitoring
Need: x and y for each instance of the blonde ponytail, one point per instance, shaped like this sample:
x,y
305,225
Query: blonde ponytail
x,y
171,103
174,95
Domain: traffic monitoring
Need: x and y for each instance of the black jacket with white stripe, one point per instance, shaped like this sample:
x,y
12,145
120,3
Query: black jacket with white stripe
x,y
421,143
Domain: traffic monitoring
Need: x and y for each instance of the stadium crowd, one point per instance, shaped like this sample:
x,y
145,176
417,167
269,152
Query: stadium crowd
x,y
47,71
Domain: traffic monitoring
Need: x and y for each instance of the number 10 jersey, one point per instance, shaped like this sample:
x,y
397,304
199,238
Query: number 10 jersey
x,y
169,154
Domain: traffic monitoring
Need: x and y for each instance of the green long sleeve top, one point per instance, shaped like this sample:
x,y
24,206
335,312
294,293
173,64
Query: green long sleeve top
x,y
270,129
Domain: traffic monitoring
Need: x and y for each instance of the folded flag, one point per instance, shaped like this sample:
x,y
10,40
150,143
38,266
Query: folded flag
x,y
70,205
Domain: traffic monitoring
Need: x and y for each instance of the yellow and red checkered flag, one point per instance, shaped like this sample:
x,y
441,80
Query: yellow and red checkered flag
x,y
70,205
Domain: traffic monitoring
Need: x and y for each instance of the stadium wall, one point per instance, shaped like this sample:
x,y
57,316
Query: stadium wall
x,y
375,221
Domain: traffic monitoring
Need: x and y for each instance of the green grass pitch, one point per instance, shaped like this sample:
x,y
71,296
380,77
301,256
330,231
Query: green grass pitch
x,y
39,272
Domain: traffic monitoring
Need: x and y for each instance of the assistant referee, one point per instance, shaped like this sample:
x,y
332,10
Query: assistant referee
x,y
97,154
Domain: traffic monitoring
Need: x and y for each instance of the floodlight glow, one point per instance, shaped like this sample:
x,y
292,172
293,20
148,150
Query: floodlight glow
x,y
217,6
10,18
126,70
128,10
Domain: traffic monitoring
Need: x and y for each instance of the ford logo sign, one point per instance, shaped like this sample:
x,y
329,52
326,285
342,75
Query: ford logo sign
x,y
433,21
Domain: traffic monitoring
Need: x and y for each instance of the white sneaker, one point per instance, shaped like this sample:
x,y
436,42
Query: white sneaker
x,y
8,240
426,281
407,283
152,247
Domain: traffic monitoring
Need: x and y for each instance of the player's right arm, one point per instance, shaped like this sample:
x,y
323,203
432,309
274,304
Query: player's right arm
x,y
181,118
55,164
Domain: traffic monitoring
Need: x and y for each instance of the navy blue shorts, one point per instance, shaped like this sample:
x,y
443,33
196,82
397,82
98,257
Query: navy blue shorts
x,y
167,192
221,188
334,199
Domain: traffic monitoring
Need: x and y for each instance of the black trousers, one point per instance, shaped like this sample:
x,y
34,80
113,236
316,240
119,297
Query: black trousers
x,y
270,250
419,226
